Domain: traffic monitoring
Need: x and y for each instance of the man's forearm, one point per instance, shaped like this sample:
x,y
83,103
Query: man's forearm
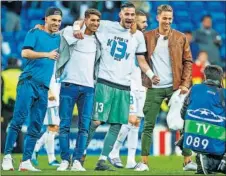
x,y
143,63
187,74
30,54
144,66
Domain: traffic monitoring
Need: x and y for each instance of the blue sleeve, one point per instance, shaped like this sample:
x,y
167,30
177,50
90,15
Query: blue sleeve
x,y
30,39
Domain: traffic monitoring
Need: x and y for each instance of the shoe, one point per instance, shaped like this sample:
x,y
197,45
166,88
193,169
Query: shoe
x,y
116,162
102,166
141,167
191,166
64,165
131,165
77,166
7,163
55,163
209,163
27,166
199,166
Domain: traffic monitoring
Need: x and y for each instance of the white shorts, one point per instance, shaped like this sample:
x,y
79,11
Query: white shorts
x,y
52,116
137,99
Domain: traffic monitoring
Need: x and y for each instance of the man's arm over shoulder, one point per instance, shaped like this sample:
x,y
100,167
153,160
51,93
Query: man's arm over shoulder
x,y
67,33
187,64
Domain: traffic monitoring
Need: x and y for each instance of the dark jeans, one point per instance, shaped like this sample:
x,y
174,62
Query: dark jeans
x,y
31,101
83,96
154,98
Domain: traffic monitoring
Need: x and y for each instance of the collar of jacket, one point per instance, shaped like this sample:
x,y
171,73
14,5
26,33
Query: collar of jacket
x,y
213,83
157,34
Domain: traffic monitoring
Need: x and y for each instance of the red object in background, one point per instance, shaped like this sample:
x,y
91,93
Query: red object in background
x,y
197,73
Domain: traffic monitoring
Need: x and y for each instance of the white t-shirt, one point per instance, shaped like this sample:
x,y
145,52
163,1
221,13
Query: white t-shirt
x,y
80,68
54,87
118,47
161,62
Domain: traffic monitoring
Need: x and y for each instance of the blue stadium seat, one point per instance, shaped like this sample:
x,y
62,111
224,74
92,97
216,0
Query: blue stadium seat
x,y
215,6
46,4
35,14
220,28
13,46
20,36
115,15
179,5
25,24
155,4
196,6
34,22
106,16
8,36
153,25
185,26
152,17
218,17
181,16
174,26
196,19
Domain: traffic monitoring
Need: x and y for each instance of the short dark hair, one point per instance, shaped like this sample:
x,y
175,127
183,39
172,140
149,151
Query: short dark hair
x,y
92,11
206,16
164,8
213,72
127,5
140,13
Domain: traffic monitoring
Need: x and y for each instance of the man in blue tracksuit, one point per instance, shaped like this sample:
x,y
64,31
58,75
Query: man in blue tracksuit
x,y
40,50
204,113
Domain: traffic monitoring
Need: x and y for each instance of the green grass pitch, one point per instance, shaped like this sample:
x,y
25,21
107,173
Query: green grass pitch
x,y
160,165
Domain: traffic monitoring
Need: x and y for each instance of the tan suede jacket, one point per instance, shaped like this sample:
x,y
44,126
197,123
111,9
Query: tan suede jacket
x,y
180,55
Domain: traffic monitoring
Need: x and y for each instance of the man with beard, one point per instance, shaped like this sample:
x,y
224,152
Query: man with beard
x,y
137,98
112,94
40,50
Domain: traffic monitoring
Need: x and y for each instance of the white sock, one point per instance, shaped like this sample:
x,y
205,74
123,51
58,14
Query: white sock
x,y
102,157
50,146
41,142
120,139
132,144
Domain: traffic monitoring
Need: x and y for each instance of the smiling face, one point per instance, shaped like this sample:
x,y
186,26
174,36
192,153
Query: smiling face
x,y
92,22
127,16
53,23
165,19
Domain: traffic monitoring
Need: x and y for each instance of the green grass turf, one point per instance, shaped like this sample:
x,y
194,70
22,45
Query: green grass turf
x,y
161,165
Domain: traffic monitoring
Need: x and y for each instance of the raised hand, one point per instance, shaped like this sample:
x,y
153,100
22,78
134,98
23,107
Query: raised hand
x,y
78,34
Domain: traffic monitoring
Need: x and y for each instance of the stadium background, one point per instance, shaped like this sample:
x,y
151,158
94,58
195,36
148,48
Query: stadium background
x,y
187,17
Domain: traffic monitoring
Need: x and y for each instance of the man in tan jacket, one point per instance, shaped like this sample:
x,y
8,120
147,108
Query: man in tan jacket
x,y
169,56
